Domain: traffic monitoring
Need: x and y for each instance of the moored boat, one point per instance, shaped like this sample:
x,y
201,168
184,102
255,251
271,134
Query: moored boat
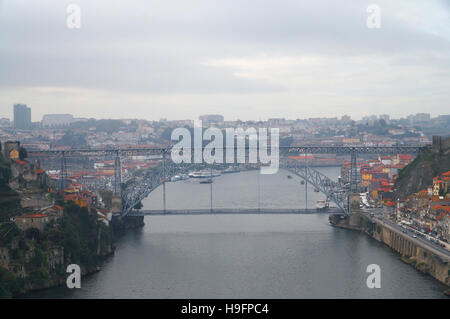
x,y
230,170
322,204
204,174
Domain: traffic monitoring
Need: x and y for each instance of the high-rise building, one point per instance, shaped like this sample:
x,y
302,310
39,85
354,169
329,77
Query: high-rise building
x,y
22,116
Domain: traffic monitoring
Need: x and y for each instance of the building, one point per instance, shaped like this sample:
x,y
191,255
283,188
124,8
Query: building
x,y
57,120
385,118
422,118
346,119
22,117
11,150
38,220
211,118
5,122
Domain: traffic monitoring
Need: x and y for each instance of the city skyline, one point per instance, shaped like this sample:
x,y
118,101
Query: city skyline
x,y
372,116
196,151
171,60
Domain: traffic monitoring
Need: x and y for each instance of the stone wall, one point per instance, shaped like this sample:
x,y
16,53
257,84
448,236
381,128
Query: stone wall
x,y
417,255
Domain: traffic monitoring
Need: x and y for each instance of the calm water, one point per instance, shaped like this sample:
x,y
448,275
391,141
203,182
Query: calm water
x,y
247,256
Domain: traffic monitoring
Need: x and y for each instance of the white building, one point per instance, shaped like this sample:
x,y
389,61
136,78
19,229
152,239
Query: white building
x,y
55,120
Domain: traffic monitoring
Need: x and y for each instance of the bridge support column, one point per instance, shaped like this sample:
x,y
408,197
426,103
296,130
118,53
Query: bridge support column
x,y
306,181
117,174
63,172
259,186
353,173
164,180
211,193
116,204
354,202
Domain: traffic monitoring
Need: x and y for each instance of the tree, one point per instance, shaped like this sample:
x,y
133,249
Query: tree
x,y
32,233
23,154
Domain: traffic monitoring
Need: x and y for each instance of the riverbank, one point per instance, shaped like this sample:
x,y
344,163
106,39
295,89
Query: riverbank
x,y
411,251
38,263
119,228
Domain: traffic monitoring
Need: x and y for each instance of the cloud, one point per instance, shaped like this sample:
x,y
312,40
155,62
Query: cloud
x,y
239,57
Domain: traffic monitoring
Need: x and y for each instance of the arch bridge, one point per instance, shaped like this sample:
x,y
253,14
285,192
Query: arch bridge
x,y
133,192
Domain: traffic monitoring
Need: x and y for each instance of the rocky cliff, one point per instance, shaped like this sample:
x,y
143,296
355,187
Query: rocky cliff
x,y
419,174
34,259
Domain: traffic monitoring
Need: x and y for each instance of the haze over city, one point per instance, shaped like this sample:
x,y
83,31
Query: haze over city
x,y
204,152
248,61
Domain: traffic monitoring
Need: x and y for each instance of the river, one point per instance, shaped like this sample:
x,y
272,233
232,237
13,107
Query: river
x,y
247,256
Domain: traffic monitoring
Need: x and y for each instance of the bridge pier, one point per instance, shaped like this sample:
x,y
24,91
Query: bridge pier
x,y
354,202
116,204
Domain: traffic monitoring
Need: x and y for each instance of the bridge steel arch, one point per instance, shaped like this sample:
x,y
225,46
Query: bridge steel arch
x,y
332,189
137,192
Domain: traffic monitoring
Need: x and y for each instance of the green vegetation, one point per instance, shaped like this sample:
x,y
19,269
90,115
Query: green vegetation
x,y
439,163
108,126
36,257
9,199
418,175
78,233
77,236
74,140
9,284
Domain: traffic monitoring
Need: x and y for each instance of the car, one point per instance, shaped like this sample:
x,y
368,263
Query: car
x,y
414,236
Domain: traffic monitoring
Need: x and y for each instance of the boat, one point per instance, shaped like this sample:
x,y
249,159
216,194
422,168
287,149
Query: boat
x,y
177,178
204,174
230,170
322,204
206,181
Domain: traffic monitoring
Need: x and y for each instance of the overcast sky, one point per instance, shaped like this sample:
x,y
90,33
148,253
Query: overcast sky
x,y
246,59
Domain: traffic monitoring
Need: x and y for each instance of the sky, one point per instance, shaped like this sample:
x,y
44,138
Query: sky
x,y
248,60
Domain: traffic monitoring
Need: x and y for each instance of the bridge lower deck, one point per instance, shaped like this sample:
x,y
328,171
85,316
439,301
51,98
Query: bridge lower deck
x,y
233,211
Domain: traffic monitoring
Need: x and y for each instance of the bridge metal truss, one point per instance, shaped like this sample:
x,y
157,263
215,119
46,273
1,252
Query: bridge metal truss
x,y
138,189
135,191
399,149
333,190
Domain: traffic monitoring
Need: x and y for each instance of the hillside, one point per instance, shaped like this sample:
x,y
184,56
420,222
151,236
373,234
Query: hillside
x,y
9,199
419,174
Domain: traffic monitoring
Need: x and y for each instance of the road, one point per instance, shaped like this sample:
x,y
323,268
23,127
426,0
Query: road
x,y
435,248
